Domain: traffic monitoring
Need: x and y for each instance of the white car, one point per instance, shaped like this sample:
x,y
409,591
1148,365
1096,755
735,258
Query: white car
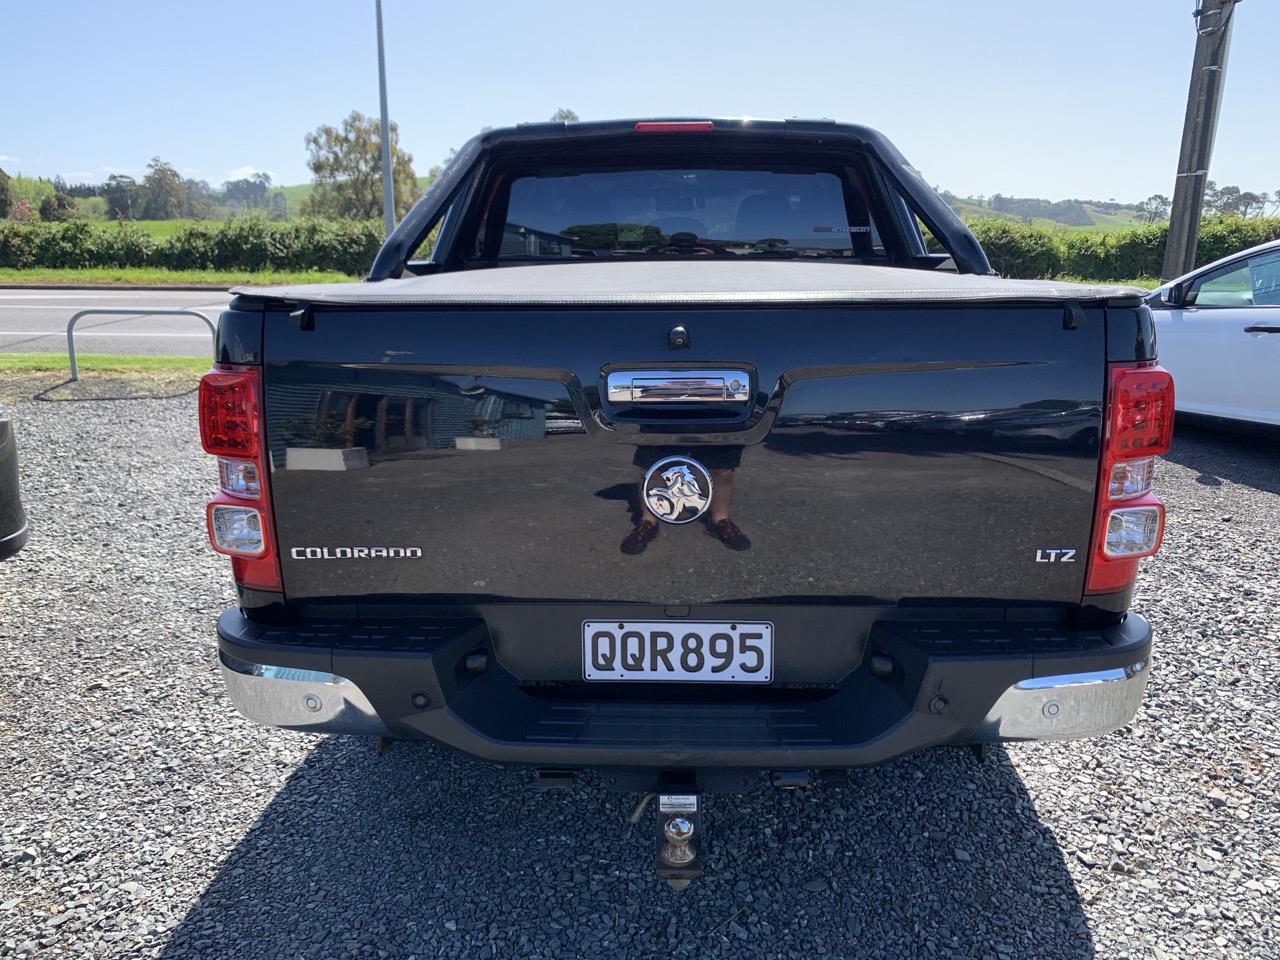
x,y
1218,331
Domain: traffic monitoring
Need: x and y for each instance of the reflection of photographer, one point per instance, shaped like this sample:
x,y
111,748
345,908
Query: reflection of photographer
x,y
676,491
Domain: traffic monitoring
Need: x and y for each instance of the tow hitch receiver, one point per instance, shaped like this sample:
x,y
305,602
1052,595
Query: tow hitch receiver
x,y
679,841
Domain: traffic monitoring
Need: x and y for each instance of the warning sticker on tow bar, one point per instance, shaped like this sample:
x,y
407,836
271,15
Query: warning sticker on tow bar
x,y
678,803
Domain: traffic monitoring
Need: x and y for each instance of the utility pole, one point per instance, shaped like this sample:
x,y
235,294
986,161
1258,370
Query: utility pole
x,y
388,186
1208,76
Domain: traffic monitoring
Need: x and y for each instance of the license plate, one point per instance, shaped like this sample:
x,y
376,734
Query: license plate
x,y
678,650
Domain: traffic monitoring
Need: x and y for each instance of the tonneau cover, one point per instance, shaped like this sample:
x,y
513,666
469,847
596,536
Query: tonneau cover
x,y
691,282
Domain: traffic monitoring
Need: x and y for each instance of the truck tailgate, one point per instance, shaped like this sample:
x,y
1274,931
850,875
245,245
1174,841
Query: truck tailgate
x,y
886,452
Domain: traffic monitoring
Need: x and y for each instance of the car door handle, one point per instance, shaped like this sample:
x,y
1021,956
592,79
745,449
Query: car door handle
x,y
1262,328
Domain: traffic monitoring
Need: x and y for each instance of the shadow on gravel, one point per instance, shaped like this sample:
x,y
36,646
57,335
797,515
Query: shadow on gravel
x,y
1217,455
425,852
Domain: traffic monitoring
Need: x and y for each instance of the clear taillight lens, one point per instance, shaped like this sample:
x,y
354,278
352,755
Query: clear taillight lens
x,y
236,530
1132,532
239,478
1131,478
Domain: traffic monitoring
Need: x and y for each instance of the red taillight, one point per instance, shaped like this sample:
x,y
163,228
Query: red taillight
x,y
229,413
239,517
1139,411
674,126
1129,521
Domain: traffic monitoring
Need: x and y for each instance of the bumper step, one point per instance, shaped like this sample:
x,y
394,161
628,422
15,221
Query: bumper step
x,y
950,682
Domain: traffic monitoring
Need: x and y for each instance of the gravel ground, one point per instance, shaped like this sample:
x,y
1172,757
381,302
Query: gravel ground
x,y
141,817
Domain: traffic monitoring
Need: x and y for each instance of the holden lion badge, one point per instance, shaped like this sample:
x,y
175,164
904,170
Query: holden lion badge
x,y
677,489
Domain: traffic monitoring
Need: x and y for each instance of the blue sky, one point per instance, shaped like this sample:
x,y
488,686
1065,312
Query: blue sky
x,y
1025,97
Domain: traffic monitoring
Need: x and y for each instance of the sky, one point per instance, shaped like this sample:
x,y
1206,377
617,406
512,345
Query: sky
x,y
1045,98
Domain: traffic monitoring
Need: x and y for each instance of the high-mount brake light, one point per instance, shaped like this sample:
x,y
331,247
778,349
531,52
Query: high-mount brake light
x,y
674,126
239,517
1129,520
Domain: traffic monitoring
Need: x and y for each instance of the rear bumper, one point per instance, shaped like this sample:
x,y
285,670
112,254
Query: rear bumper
x,y
1067,706
950,683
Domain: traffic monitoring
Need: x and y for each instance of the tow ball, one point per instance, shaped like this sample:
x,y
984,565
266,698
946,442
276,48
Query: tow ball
x,y
679,839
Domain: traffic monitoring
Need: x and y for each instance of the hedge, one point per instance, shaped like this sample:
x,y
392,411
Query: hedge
x,y
1020,250
242,243
252,243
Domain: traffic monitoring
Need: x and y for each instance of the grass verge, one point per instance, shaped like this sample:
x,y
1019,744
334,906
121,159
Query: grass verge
x,y
152,276
1146,283
102,362
24,376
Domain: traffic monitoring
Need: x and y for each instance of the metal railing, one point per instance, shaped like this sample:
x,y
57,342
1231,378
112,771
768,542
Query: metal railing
x,y
125,312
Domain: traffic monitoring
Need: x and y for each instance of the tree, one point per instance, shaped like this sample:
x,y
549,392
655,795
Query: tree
x,y
564,115
31,189
197,199
1252,204
250,191
5,200
1155,207
56,208
124,197
346,168
1210,202
164,194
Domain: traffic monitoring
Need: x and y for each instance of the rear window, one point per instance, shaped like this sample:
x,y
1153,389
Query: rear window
x,y
698,212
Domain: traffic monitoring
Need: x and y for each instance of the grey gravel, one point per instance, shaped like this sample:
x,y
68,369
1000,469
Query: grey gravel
x,y
140,816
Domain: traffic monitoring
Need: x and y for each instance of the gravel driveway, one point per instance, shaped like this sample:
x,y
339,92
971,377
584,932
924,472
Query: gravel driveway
x,y
141,816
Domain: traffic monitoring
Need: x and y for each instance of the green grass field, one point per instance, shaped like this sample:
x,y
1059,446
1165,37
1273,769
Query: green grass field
x,y
157,228
99,363
152,276
46,376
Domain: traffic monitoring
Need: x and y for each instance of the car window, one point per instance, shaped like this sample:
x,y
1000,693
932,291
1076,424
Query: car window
x,y
683,212
1264,274
1230,286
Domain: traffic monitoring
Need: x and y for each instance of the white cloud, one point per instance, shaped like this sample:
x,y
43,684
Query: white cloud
x,y
239,173
4,157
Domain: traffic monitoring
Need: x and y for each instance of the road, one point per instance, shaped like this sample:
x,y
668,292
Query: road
x,y
35,321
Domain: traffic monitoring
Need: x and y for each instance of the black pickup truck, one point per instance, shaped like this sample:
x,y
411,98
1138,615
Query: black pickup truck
x,y
687,451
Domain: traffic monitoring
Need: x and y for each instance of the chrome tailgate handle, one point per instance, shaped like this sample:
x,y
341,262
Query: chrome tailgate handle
x,y
678,386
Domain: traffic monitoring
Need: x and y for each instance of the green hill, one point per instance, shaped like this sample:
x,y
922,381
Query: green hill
x,y
295,194
1104,218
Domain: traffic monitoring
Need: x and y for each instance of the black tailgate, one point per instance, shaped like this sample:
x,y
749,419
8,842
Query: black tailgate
x,y
886,452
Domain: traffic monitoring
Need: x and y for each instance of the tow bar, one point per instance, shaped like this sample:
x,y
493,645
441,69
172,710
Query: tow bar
x,y
679,839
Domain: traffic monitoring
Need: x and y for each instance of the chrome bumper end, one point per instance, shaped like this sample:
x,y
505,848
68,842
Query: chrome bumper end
x,y
305,700
1069,706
